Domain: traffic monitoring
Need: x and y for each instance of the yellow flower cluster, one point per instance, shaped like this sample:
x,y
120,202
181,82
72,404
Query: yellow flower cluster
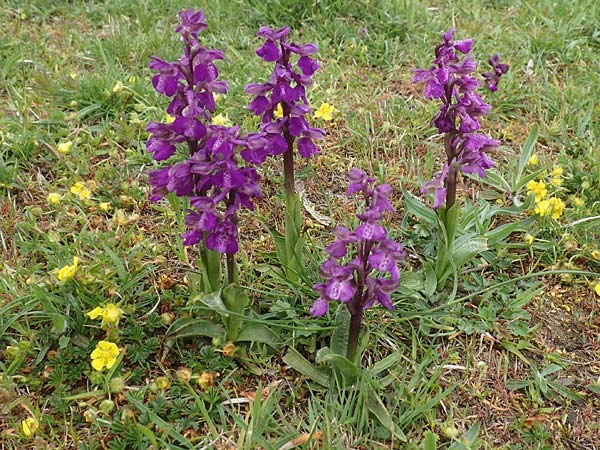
x,y
538,189
553,207
546,205
81,191
110,314
104,355
68,272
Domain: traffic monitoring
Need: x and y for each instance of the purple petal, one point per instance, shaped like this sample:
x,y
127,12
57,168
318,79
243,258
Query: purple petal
x,y
269,51
319,307
306,148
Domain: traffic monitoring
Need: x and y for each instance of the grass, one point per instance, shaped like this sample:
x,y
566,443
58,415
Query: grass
x,y
511,363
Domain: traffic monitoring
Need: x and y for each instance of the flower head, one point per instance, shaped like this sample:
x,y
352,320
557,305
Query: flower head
x,y
104,206
450,80
118,87
551,207
64,147
68,272
493,76
81,191
529,239
538,189
363,264
597,289
110,314
324,112
54,198
104,355
29,426
214,177
557,171
281,102
533,160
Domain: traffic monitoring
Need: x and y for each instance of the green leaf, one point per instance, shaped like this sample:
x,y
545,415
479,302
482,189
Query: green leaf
x,y
302,365
559,387
191,327
279,240
387,362
516,349
376,406
467,247
59,322
213,269
187,327
213,301
236,301
493,179
415,206
294,244
526,151
256,332
468,439
429,441
341,366
450,218
160,423
431,280
594,387
341,334
500,233
525,297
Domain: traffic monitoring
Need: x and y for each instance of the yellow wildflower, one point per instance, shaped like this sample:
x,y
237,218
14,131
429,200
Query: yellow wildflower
x,y
552,207
29,426
596,254
64,147
578,202
557,171
528,239
81,190
556,181
169,118
104,355
597,289
324,112
54,198
533,160
278,112
110,314
118,87
104,206
538,189
221,120
68,272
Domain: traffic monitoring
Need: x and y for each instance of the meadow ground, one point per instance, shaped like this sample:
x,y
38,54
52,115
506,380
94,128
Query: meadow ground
x,y
508,357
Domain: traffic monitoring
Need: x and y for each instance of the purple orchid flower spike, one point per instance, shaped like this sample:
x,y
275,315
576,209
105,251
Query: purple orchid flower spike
x,y
213,176
281,102
450,80
362,268
493,77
